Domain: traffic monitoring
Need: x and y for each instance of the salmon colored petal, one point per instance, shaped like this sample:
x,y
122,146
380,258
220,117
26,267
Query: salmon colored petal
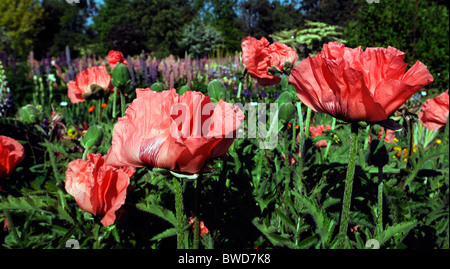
x,y
11,154
97,75
434,111
356,85
98,188
165,130
258,55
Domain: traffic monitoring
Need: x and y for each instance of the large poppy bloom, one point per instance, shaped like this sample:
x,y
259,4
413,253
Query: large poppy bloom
x,y
356,85
179,133
88,83
434,111
11,154
98,188
258,55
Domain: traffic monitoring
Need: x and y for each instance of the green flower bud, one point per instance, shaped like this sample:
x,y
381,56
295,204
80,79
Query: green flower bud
x,y
157,87
120,76
286,112
284,97
217,91
29,114
183,89
93,137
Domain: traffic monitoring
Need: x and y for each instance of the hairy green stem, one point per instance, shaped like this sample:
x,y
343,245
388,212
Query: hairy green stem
x,y
114,103
444,141
12,228
179,212
197,212
122,103
348,187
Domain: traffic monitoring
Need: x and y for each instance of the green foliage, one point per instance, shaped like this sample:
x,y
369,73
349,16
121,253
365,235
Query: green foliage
x,y
200,39
418,28
310,37
19,21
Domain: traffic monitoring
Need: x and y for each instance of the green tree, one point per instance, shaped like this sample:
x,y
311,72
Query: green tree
x,y
222,15
136,25
200,39
64,25
262,18
418,28
20,20
309,39
332,12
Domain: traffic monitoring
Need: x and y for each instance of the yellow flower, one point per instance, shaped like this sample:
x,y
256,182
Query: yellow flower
x,y
438,141
72,133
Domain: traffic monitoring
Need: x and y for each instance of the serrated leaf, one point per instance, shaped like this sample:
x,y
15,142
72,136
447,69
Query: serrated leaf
x,y
159,211
390,231
167,233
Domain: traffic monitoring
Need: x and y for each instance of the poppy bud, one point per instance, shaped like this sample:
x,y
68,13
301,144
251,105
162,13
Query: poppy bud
x,y
120,76
286,112
30,114
93,137
157,87
183,89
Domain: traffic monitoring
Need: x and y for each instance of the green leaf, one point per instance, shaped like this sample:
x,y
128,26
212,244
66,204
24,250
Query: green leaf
x,y
216,90
158,211
390,231
167,233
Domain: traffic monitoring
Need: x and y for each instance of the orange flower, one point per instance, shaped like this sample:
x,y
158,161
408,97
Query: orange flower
x,y
11,153
154,133
203,229
98,188
91,109
258,55
88,80
104,106
357,85
434,111
115,57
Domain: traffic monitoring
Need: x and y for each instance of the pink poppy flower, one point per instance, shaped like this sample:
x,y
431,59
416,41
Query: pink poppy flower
x,y
258,55
11,154
98,188
115,57
317,131
434,111
179,133
87,83
356,85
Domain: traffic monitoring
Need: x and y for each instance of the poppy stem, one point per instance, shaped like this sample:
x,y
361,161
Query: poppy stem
x,y
122,103
197,210
179,212
114,103
348,187
445,142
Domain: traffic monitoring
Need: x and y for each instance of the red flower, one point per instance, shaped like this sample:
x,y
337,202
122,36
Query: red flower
x,y
318,130
11,153
203,229
86,81
98,188
115,57
151,134
356,85
258,55
434,111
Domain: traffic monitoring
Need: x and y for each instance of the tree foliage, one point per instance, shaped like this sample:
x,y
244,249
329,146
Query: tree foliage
x,y
200,39
419,28
20,21
309,39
